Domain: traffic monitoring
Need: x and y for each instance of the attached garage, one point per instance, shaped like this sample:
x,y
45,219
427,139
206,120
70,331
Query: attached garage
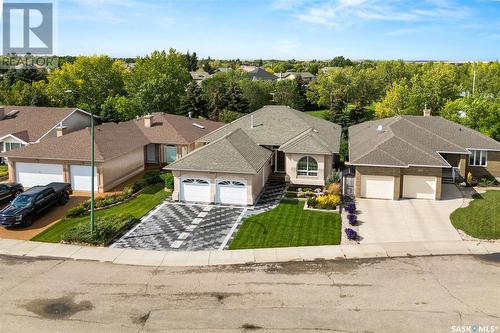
x,y
33,174
419,187
231,192
195,190
377,187
81,176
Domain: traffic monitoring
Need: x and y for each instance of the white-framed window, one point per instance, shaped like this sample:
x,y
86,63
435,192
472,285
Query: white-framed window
x,y
478,158
8,146
307,166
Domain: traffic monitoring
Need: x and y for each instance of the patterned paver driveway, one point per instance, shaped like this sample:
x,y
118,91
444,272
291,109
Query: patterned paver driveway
x,y
186,227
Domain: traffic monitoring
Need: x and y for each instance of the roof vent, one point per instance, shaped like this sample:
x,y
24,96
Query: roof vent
x,y
380,128
198,125
12,113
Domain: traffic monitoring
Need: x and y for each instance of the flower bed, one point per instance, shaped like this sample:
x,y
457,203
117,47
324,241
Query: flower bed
x,y
326,202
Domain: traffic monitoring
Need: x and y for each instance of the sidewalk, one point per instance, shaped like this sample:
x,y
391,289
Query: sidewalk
x,y
209,258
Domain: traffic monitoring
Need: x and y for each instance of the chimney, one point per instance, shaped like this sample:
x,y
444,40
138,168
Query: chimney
x,y
190,114
2,112
60,130
427,111
148,120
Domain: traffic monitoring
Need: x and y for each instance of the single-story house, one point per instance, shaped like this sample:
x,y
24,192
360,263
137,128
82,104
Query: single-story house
x,y
24,125
238,159
411,156
122,150
306,76
199,76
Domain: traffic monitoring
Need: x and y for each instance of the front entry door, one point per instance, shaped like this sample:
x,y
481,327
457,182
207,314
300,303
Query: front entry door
x,y
280,161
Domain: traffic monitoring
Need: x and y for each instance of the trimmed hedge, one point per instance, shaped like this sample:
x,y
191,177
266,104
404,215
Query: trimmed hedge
x,y
168,179
106,229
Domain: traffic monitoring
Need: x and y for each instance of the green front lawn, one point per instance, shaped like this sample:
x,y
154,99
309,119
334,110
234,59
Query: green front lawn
x,y
481,219
138,207
288,225
323,114
4,171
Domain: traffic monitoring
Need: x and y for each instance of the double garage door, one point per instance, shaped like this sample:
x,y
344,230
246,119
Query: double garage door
x,y
230,192
33,174
414,187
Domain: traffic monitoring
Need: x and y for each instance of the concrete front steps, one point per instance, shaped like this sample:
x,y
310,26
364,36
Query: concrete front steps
x,y
237,257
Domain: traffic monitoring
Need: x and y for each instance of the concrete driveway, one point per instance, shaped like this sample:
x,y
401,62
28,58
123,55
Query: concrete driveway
x,y
409,220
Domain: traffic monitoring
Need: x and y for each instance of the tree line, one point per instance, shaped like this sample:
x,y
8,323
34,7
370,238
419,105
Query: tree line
x,y
350,92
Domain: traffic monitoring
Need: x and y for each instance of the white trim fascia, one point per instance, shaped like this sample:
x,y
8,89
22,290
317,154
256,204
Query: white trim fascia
x,y
60,122
15,137
482,149
398,166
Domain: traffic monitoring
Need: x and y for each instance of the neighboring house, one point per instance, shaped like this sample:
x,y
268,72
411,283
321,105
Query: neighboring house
x,y
258,73
411,156
199,76
24,125
306,76
121,151
238,159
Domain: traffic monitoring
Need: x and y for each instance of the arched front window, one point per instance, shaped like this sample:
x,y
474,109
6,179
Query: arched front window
x,y
307,166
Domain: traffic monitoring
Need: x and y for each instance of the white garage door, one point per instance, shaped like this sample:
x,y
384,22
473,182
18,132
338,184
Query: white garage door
x,y
195,190
33,174
81,176
232,192
419,187
377,187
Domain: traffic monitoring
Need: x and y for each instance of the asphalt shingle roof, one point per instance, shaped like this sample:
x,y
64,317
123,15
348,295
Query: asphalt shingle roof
x,y
113,140
412,140
277,125
233,153
31,123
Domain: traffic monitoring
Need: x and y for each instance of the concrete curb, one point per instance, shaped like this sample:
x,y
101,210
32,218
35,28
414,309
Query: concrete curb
x,y
237,257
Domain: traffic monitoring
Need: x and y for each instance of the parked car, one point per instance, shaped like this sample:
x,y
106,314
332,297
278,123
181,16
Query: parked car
x,y
28,205
9,191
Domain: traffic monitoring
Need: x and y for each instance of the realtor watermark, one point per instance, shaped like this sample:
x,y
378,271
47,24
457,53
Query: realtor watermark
x,y
474,328
28,34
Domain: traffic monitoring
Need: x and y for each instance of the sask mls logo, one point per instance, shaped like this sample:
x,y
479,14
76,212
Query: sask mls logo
x,y
27,28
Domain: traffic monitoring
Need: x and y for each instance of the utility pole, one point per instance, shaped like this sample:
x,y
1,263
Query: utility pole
x,y
92,163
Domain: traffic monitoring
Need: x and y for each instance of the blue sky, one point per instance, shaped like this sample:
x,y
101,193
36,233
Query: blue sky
x,y
283,29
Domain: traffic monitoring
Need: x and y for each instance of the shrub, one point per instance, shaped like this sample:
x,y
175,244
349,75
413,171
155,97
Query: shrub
x,y
312,202
352,219
333,178
351,234
168,179
127,192
487,181
139,185
469,179
291,195
153,177
77,211
106,229
351,208
333,189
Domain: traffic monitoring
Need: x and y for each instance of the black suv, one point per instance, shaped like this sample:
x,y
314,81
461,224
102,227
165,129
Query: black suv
x,y
26,206
9,191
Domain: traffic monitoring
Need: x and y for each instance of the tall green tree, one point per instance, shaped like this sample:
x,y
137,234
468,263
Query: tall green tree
x,y
332,89
288,93
158,81
192,61
86,83
257,93
235,100
194,102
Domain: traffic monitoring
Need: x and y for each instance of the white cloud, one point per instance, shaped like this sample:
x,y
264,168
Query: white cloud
x,y
343,12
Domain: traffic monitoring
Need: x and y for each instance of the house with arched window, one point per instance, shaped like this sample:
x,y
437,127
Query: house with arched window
x,y
233,163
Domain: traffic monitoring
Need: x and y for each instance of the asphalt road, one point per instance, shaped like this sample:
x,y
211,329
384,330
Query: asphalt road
x,y
424,294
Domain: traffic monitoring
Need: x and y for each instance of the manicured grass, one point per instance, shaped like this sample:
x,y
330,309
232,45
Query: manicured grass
x,y
4,171
319,114
138,207
481,219
288,225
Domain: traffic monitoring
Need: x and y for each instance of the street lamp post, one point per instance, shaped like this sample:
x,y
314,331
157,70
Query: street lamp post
x,y
92,166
